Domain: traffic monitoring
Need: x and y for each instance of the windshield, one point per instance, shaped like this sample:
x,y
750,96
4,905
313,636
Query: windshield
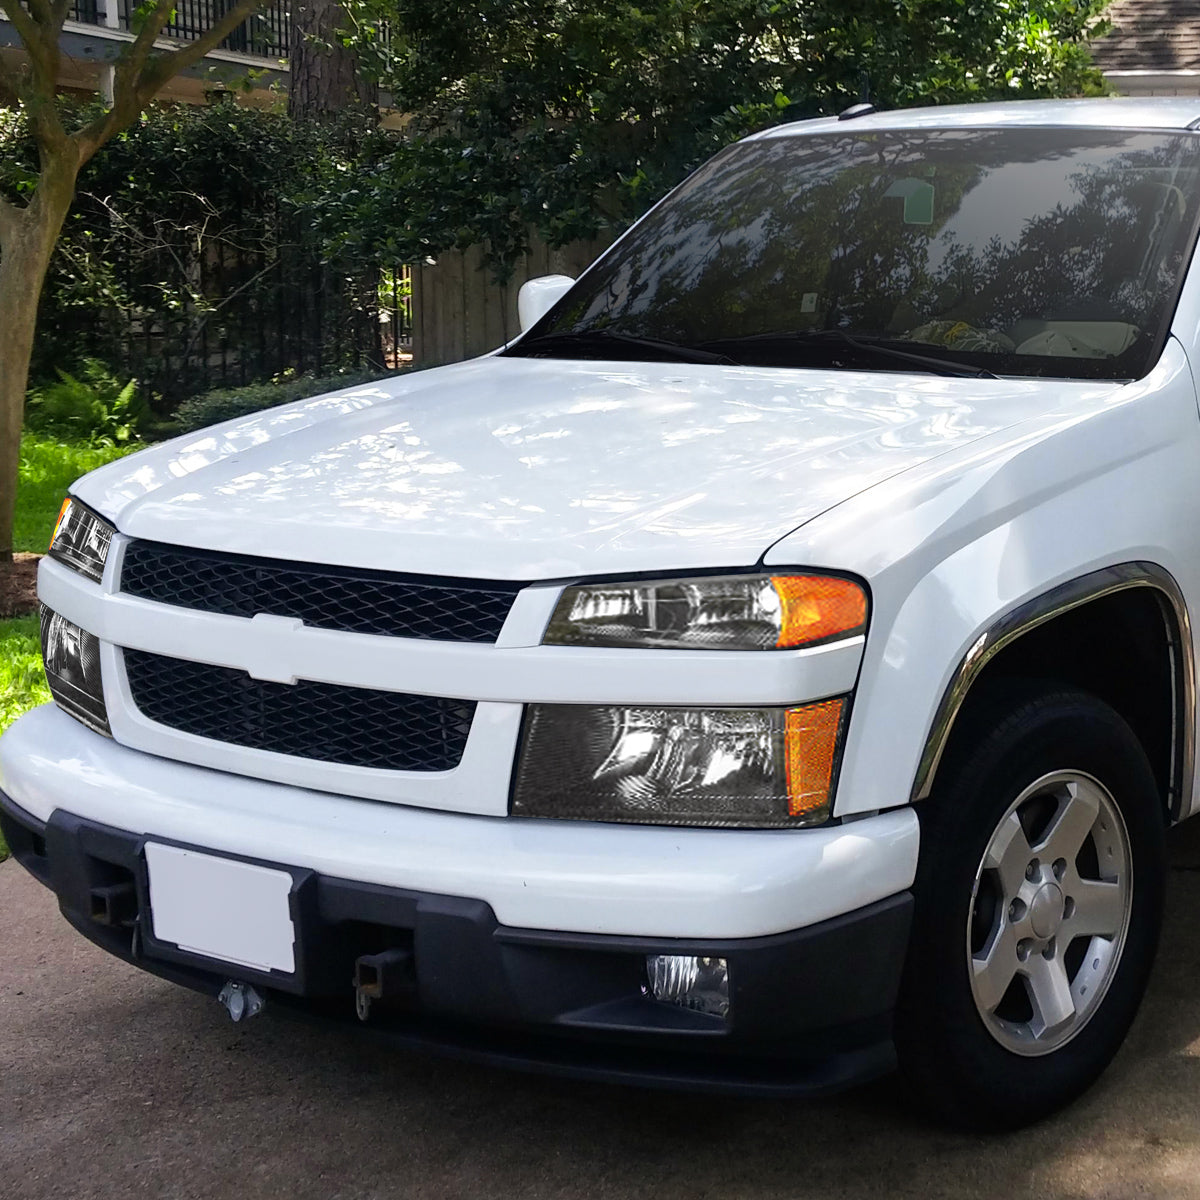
x,y
1019,251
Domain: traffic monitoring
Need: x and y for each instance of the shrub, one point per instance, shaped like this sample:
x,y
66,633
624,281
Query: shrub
x,y
189,259
92,406
224,404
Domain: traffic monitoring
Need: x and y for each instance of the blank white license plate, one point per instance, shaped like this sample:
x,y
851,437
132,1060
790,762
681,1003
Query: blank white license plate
x,y
221,908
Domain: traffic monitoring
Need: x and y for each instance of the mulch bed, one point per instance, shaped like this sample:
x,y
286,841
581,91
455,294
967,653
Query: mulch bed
x,y
18,586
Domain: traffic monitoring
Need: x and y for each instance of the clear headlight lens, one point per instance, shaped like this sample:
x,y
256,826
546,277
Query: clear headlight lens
x,y
756,767
726,612
81,540
72,660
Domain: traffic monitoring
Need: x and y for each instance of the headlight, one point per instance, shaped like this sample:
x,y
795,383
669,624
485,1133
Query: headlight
x,y
72,659
726,612
81,540
757,767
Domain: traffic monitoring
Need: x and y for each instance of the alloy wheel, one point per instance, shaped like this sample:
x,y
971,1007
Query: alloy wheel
x,y
1049,912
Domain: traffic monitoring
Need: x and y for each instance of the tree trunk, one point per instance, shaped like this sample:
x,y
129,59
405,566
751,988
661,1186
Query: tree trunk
x,y
28,243
325,82
325,77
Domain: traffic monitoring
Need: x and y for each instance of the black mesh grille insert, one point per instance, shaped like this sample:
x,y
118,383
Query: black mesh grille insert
x,y
359,601
357,727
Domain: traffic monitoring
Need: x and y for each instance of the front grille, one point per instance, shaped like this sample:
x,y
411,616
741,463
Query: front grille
x,y
353,726
358,601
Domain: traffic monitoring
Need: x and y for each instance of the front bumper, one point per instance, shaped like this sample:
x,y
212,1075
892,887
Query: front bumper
x,y
810,1009
526,939
569,876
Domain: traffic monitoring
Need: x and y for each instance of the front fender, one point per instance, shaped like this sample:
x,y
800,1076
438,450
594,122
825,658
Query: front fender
x,y
954,548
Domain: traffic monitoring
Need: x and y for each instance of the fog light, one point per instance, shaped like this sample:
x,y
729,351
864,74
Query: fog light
x,y
72,660
701,984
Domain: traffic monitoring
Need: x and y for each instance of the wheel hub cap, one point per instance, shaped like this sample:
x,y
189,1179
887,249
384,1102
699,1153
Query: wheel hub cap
x,y
1046,911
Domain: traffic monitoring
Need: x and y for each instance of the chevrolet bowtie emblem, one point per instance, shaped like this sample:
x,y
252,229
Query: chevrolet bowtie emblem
x,y
272,651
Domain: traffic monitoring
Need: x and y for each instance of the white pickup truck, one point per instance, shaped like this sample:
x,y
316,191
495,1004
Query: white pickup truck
x,y
774,663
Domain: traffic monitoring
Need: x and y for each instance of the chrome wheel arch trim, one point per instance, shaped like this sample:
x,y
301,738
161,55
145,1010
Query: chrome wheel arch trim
x,y
1053,604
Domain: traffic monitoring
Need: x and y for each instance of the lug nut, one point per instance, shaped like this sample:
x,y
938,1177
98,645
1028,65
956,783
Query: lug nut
x,y
1032,869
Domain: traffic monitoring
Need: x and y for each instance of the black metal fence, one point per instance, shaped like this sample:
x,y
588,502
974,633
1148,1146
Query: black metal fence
x,y
256,318
228,315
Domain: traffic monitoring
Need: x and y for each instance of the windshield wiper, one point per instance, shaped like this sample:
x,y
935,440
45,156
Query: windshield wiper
x,y
600,339
868,347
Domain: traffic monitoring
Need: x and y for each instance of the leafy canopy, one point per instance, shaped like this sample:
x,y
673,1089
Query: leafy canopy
x,y
572,116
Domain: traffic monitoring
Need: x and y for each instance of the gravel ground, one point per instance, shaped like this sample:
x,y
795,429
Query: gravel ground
x,y
115,1083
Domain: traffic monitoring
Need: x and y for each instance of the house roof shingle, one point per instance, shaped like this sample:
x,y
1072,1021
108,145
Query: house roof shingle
x,y
1151,35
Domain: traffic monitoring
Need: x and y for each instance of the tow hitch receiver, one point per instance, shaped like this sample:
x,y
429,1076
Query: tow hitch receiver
x,y
115,904
383,977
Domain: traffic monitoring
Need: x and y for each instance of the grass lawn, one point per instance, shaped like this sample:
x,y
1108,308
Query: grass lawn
x,y
22,684
48,468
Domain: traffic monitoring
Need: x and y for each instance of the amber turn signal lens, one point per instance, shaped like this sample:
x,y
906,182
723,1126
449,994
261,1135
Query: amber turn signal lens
x,y
62,512
812,742
816,607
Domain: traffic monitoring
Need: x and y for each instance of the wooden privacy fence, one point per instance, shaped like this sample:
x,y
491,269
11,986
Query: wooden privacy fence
x,y
460,311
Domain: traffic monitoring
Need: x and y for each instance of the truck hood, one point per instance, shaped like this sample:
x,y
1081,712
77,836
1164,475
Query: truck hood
x,y
523,469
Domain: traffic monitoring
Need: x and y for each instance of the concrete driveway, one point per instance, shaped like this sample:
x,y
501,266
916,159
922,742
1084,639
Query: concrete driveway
x,y
114,1083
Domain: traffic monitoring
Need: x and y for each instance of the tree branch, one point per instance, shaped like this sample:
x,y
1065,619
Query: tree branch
x,y
10,214
40,39
139,78
132,62
41,46
31,30
166,67
216,308
41,11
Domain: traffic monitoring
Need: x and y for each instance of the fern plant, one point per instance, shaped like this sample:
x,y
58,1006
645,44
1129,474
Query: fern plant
x,y
92,406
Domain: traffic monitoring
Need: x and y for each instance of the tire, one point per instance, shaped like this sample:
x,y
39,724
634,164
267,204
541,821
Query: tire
x,y
998,889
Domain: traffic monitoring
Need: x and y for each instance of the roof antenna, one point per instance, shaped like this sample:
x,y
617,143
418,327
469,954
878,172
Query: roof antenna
x,y
864,105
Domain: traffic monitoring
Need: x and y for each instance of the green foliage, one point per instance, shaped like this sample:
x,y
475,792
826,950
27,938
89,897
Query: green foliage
x,y
22,681
48,467
572,117
225,404
188,246
92,406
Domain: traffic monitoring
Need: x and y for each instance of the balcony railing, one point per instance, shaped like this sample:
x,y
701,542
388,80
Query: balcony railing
x,y
267,34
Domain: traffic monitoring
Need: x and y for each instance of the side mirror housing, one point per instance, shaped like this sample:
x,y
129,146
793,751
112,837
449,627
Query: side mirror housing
x,y
538,296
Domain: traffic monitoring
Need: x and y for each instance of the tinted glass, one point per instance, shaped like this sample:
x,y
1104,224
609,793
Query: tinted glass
x,y
1022,251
